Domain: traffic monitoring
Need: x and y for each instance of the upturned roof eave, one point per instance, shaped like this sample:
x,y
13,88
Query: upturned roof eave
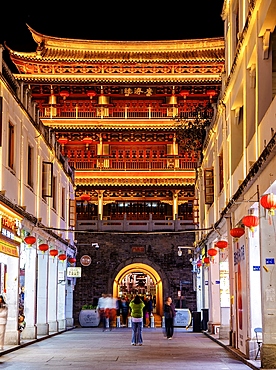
x,y
106,45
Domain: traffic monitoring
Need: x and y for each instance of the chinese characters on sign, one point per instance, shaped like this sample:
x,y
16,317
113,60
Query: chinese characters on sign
x,y
74,272
138,91
138,249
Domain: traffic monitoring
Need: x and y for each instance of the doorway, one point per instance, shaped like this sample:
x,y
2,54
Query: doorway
x,y
141,278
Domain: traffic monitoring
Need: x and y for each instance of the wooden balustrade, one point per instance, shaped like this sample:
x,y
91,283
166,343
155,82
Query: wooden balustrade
x,y
76,110
124,165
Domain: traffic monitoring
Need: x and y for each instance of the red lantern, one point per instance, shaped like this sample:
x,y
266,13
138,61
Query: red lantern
x,y
63,140
211,93
64,94
199,263
268,201
91,94
53,252
184,93
212,252
43,248
251,221
30,240
85,197
62,257
222,244
72,260
237,232
87,140
206,261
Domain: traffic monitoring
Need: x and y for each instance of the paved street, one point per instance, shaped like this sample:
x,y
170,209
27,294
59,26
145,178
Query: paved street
x,y
91,348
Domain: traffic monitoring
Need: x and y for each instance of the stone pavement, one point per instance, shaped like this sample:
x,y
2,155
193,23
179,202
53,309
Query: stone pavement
x,y
91,348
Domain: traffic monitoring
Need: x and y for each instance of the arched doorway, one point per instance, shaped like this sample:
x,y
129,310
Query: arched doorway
x,y
149,274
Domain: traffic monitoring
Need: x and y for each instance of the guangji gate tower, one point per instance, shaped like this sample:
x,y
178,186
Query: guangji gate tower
x,y
127,116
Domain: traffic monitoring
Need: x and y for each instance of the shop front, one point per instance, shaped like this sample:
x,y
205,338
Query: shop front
x,y
10,224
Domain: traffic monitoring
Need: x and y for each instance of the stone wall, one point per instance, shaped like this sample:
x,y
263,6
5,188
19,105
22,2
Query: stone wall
x,y
116,251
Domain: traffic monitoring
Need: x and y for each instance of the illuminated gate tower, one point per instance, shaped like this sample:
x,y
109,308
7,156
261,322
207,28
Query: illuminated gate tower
x,y
113,106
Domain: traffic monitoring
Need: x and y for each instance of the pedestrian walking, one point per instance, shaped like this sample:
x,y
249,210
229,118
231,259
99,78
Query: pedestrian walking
x,y
136,306
169,313
3,321
102,305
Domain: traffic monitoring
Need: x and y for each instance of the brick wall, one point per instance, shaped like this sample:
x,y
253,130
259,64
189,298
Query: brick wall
x,y
116,251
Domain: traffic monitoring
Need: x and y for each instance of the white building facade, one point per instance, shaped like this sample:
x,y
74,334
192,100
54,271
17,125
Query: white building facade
x,y
237,171
36,200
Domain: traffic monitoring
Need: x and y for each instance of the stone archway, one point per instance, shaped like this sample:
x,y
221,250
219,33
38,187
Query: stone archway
x,y
148,268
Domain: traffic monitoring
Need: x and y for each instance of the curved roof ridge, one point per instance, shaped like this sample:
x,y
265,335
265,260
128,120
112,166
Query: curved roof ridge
x,y
45,41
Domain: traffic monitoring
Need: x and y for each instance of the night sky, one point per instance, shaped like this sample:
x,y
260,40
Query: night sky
x,y
186,19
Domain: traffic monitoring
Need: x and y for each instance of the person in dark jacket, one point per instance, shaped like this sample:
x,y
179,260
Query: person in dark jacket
x,y
169,313
124,310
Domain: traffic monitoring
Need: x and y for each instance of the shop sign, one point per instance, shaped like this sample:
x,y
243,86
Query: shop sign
x,y
85,260
74,272
8,224
8,248
138,249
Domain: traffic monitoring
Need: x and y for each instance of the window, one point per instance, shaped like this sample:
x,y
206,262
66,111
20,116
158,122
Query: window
x,y
30,166
54,192
11,155
47,183
72,213
209,185
221,171
63,203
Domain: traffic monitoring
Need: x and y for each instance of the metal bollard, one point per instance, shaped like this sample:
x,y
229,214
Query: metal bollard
x,y
129,323
152,321
163,321
118,322
107,322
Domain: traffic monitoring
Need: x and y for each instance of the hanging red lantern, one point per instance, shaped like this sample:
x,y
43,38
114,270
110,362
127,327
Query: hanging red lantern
x,y
43,247
222,244
53,252
87,140
212,252
85,197
63,140
91,94
237,232
251,221
206,261
30,240
72,260
268,201
64,94
211,93
199,263
184,93
62,257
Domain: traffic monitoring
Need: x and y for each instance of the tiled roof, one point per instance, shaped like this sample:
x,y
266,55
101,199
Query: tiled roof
x,y
62,49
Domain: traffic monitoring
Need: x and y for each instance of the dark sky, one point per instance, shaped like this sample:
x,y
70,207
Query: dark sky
x,y
91,20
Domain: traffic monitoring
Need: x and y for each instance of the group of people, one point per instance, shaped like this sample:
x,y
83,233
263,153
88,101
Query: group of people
x,y
137,308
107,307
140,309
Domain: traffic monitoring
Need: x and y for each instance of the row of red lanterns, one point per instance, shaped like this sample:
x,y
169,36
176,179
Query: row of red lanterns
x,y
30,240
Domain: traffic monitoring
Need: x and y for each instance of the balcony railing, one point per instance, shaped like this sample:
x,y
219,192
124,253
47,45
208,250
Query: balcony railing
x,y
135,225
82,111
82,163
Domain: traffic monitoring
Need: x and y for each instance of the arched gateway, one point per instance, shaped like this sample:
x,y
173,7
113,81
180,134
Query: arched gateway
x,y
146,267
